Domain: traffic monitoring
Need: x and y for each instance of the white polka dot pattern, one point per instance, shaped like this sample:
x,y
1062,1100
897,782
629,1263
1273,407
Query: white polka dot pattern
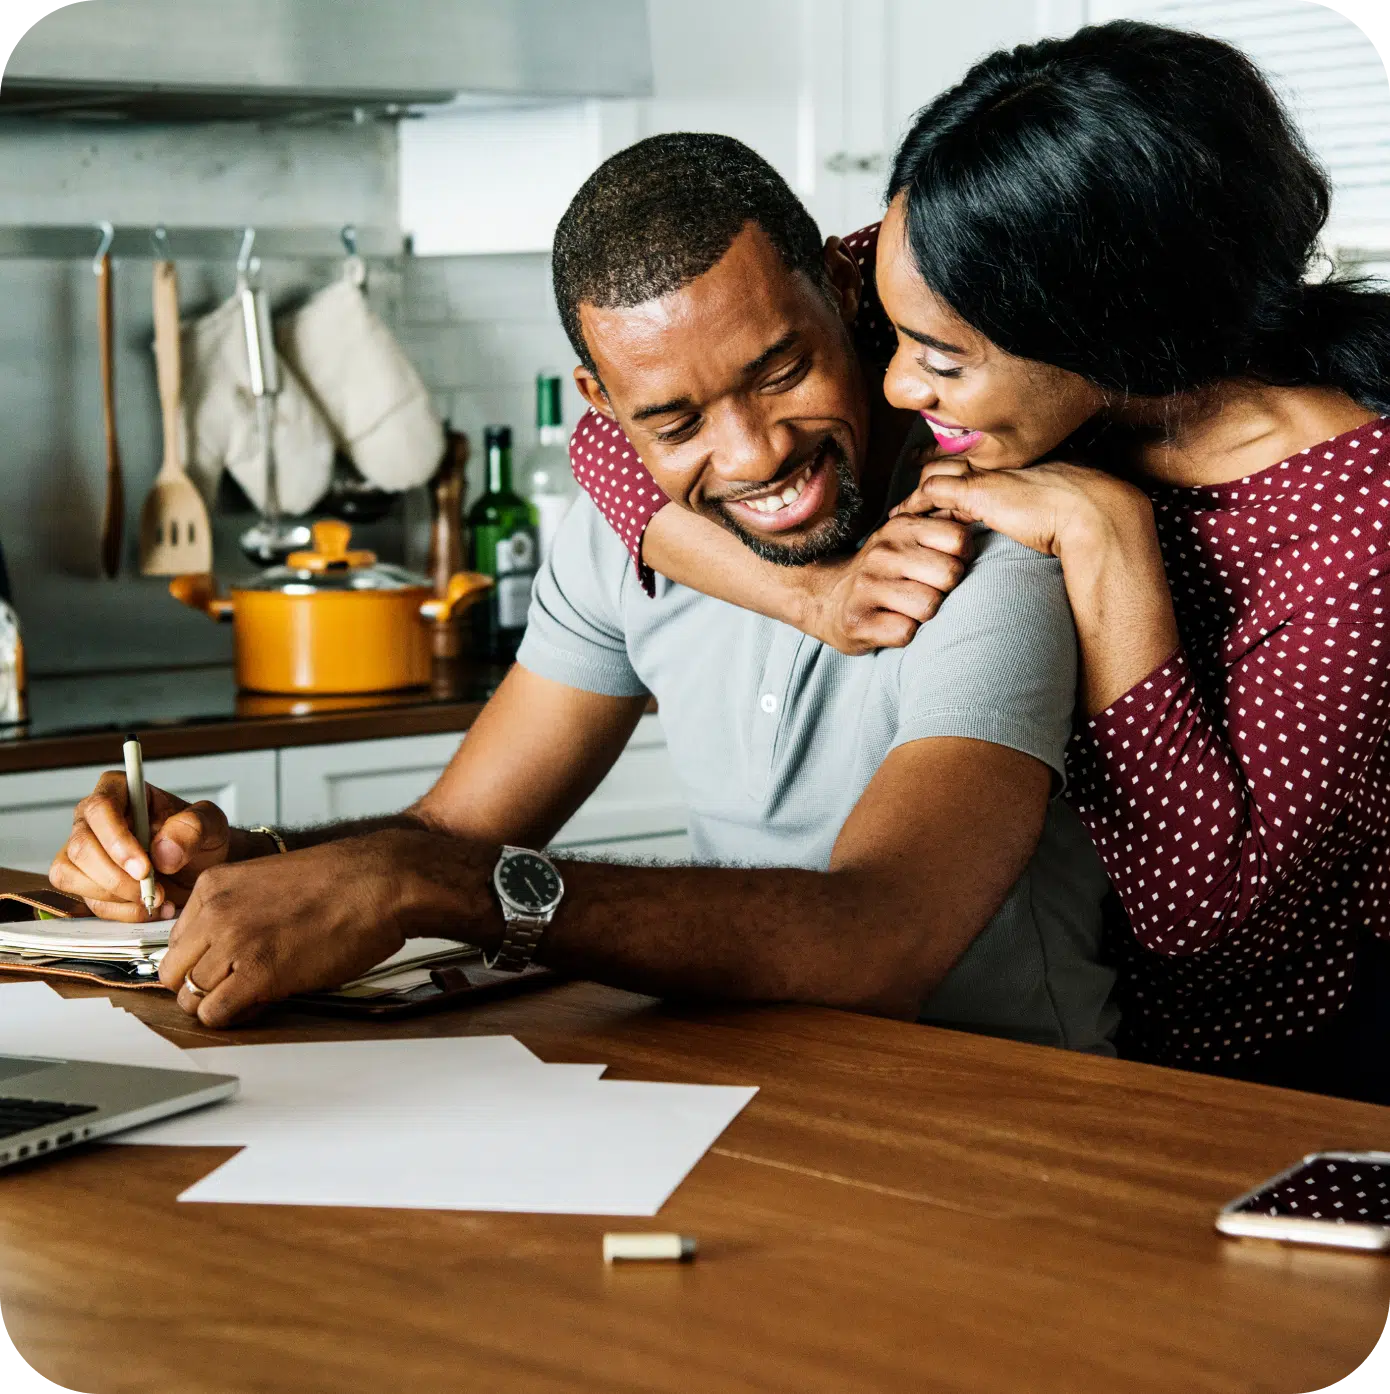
x,y
609,470
1335,1189
1239,795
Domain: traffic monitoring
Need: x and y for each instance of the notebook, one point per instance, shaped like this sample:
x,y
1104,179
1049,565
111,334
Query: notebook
x,y
422,976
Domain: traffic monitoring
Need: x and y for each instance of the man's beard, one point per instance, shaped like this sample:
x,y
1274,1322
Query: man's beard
x,y
835,535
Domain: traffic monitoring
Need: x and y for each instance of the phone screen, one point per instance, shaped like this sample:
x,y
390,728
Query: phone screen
x,y
1334,1189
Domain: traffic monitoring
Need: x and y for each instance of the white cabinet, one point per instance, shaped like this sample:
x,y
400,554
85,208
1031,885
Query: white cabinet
x,y
496,178
636,811
823,89
36,806
359,779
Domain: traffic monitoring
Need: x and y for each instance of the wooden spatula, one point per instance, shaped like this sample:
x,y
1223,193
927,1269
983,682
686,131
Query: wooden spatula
x,y
175,534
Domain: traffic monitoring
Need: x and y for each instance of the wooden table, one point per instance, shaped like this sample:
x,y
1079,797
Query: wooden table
x,y
900,1208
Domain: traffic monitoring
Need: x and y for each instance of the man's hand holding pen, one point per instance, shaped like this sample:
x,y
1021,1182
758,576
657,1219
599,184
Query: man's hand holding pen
x,y
103,861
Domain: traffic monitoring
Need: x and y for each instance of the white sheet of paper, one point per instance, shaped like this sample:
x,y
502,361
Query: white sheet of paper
x,y
610,1147
241,1122
34,996
35,1020
347,1078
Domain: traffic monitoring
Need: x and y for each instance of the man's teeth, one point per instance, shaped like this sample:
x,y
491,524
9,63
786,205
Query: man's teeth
x,y
774,503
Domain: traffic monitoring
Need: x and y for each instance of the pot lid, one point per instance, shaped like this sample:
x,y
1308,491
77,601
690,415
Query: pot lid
x,y
331,565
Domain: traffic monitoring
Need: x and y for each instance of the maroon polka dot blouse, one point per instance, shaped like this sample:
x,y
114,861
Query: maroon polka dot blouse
x,y
1239,796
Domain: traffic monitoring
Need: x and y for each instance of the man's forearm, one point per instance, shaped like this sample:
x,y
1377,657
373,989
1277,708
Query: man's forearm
x,y
843,939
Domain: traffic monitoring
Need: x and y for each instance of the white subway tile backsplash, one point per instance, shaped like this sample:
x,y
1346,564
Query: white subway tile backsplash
x,y
443,290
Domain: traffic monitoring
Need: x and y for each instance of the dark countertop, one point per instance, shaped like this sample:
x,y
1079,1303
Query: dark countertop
x,y
198,711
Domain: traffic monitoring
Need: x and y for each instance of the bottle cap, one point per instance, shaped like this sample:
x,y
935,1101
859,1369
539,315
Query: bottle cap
x,y
548,400
497,435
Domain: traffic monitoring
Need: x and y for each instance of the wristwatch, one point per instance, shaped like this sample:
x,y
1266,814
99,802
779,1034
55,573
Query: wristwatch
x,y
530,890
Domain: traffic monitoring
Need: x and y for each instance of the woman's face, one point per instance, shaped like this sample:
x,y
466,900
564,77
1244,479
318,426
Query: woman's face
x,y
998,411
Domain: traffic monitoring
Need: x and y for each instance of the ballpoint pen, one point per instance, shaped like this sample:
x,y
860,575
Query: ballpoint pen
x,y
140,813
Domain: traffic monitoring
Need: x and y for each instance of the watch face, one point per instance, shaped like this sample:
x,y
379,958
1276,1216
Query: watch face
x,y
529,882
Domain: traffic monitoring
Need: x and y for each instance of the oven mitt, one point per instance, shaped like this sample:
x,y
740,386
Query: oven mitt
x,y
221,418
368,390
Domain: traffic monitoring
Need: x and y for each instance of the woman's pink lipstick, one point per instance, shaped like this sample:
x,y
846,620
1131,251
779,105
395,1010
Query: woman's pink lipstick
x,y
952,440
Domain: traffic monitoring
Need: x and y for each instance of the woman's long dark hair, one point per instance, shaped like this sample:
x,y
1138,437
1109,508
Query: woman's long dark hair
x,y
1133,204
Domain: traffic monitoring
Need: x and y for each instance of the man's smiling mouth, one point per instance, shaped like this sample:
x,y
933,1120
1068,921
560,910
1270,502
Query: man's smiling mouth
x,y
791,502
789,493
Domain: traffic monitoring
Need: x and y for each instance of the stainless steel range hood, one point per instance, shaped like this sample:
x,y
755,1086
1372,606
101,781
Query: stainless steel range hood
x,y
220,59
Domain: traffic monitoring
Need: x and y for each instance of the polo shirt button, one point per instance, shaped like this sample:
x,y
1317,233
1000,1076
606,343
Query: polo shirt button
x,y
768,702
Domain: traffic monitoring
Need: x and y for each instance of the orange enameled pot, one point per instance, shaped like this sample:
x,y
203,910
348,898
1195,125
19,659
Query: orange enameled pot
x,y
332,620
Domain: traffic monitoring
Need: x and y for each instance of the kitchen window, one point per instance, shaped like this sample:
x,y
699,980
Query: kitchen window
x,y
1333,80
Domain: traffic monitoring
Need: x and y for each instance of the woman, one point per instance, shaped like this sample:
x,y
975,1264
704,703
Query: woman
x,y
1097,247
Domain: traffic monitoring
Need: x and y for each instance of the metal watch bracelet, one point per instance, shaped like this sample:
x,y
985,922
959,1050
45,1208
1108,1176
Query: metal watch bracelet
x,y
520,939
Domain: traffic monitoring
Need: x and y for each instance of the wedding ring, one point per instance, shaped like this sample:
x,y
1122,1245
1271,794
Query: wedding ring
x,y
193,987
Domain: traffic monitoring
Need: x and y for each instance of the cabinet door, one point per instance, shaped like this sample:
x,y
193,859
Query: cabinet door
x,y
640,797
359,779
36,806
638,802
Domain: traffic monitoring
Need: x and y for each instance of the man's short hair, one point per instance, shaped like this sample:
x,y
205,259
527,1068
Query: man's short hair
x,y
653,217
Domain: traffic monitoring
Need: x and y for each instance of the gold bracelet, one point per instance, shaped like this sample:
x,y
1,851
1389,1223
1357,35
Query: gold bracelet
x,y
273,836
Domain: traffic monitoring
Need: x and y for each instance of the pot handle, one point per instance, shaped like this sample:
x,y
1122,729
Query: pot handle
x,y
199,592
463,590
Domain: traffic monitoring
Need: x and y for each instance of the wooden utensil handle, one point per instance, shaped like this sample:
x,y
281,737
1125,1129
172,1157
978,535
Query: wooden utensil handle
x,y
167,358
106,333
113,512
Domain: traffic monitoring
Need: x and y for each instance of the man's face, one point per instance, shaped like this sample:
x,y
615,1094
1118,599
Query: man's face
x,y
742,395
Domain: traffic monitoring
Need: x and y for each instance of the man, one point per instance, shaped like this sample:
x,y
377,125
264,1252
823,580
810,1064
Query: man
x,y
875,832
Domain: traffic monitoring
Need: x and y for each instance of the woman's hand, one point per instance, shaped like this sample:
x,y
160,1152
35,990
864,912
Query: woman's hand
x,y
1102,531
1051,508
896,581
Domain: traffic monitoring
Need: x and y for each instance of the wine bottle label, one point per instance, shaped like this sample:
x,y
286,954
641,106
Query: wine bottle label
x,y
516,553
516,571
513,601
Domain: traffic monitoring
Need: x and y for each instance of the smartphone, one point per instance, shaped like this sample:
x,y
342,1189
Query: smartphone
x,y
1336,1198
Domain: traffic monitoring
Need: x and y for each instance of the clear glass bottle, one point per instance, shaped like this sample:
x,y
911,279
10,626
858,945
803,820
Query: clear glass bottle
x,y
552,482
14,705
503,529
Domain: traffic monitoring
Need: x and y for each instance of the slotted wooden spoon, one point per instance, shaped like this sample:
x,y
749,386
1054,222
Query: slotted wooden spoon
x,y
175,533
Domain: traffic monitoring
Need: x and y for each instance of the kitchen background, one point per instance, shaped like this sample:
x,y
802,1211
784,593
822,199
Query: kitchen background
x,y
822,87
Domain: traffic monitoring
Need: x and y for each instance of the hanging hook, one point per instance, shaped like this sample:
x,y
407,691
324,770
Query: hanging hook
x,y
108,236
244,259
159,240
354,268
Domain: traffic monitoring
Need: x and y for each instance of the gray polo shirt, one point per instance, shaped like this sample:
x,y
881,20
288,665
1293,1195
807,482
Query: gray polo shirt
x,y
775,736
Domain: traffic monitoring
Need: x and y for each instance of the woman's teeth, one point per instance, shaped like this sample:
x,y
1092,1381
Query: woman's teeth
x,y
774,503
952,432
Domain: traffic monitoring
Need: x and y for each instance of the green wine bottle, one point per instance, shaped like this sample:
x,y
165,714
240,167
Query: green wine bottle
x,y
505,547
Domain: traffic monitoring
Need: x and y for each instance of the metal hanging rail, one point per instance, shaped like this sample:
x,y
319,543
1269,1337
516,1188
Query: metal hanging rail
x,y
80,241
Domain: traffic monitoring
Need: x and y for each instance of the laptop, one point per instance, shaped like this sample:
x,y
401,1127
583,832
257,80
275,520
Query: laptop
x,y
47,1105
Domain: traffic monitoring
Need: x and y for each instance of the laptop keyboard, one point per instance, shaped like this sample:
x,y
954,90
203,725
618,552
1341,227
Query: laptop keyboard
x,y
19,1115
